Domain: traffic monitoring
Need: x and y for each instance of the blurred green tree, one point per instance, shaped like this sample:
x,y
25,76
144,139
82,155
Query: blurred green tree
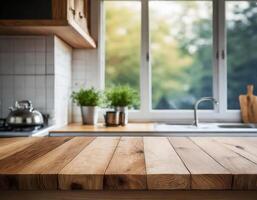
x,y
180,75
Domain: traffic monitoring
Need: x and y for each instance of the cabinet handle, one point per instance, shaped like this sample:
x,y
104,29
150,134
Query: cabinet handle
x,y
73,11
81,15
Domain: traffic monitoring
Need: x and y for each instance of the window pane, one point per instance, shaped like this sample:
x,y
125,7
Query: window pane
x,y
241,23
181,53
123,41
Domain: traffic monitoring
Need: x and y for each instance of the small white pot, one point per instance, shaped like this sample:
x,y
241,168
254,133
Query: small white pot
x,y
89,114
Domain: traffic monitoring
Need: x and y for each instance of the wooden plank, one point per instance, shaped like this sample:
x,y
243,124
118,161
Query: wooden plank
x,y
9,166
86,171
7,141
127,167
164,168
244,171
15,146
42,174
206,173
129,195
243,147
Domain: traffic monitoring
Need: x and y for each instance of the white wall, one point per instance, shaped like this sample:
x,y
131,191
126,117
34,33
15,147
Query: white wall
x,y
37,68
87,64
62,84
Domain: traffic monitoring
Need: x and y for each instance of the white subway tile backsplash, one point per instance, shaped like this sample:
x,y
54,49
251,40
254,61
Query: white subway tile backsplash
x,y
8,101
37,68
7,63
40,58
19,63
30,58
29,69
40,44
40,69
19,44
29,88
30,45
50,44
40,63
50,85
6,45
50,58
85,73
7,82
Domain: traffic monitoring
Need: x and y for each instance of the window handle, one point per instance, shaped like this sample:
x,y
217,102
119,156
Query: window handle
x,y
223,54
217,55
147,57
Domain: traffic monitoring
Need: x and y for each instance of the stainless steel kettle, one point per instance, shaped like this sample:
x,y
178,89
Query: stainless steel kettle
x,y
24,115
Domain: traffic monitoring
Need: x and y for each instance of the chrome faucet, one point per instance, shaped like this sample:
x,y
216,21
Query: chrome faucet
x,y
215,102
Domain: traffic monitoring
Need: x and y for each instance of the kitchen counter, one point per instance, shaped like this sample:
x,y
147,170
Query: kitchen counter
x,y
156,130
101,128
128,163
128,167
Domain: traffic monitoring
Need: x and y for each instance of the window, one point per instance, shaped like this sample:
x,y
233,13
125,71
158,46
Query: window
x,y
173,52
241,28
181,52
122,43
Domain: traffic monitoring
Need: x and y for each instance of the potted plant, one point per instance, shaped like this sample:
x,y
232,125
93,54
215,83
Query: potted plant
x,y
88,100
121,98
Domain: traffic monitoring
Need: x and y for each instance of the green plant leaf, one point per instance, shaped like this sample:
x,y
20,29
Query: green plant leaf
x,y
87,97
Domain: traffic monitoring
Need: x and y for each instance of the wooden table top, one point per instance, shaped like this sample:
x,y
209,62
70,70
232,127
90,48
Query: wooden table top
x,y
131,127
128,163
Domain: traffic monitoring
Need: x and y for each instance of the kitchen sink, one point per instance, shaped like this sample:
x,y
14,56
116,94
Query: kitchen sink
x,y
226,128
237,126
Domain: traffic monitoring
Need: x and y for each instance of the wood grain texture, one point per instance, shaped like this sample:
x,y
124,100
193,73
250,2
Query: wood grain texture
x,y
42,173
129,195
8,141
66,24
164,168
87,170
15,145
243,170
206,173
126,170
245,148
75,38
59,9
129,163
244,108
10,166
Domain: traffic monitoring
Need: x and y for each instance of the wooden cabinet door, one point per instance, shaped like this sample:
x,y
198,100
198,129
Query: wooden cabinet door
x,y
80,16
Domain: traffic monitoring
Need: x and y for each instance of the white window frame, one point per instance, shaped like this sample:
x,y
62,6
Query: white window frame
x,y
146,113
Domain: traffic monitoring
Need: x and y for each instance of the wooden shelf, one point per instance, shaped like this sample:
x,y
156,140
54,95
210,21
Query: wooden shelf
x,y
68,31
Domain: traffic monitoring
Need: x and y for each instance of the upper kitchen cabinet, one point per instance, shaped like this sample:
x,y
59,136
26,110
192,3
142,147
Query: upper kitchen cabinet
x,y
68,19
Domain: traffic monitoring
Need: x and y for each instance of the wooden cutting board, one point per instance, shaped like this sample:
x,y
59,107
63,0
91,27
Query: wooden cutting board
x,y
248,105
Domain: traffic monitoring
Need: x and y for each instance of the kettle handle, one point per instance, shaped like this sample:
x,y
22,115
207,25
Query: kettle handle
x,y
25,102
